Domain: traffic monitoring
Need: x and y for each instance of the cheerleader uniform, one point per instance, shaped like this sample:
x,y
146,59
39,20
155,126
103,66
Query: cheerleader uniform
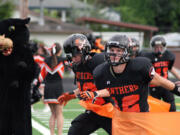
x,y
52,79
39,60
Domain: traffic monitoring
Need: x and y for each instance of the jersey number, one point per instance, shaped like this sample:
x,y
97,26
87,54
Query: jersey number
x,y
162,72
129,103
87,86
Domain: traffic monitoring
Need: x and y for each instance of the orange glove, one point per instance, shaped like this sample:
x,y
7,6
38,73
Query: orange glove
x,y
87,95
64,98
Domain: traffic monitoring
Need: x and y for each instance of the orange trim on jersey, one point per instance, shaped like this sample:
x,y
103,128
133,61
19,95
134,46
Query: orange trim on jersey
x,y
46,69
39,60
42,74
61,71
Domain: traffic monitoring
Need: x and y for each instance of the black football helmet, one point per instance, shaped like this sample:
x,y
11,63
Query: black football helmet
x,y
75,44
158,40
134,43
120,41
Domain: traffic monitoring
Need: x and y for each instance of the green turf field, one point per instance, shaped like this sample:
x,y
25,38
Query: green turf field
x,y
70,111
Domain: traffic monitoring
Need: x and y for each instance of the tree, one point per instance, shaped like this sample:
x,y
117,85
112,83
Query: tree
x,y
164,14
6,9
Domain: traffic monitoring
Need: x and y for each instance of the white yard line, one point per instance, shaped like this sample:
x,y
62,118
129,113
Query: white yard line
x,y
40,128
177,97
45,131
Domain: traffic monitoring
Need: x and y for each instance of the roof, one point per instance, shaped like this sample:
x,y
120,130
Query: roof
x,y
119,24
53,25
57,4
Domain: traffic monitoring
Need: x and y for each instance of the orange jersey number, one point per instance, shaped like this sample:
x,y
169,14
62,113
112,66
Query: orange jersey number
x,y
129,103
162,72
87,86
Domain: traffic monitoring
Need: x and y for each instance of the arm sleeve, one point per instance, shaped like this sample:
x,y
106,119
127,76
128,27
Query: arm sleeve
x,y
98,78
147,70
172,60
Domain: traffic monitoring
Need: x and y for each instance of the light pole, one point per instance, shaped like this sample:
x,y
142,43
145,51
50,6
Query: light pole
x,y
41,20
24,8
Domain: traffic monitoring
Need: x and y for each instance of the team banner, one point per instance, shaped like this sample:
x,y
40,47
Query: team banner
x,y
103,110
156,105
106,110
145,123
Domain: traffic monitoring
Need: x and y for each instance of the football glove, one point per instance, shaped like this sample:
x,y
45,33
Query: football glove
x,y
64,98
176,89
35,93
87,95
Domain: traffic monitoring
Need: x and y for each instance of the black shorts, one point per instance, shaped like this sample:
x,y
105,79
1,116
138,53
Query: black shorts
x,y
88,122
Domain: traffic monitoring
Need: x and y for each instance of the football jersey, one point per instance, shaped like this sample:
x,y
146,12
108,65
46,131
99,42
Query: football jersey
x,y
84,74
162,64
129,90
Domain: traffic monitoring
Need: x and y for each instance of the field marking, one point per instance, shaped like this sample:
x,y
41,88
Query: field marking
x,y
44,116
44,130
177,97
40,128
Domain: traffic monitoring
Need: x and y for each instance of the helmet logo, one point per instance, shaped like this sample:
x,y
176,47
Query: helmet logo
x,y
79,43
158,42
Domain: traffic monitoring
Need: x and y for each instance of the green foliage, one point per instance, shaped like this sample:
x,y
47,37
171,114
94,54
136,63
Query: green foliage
x,y
161,13
89,12
39,41
50,13
6,9
164,14
135,11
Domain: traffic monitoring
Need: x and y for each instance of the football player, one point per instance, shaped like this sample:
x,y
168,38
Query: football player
x,y
126,80
134,47
163,61
77,48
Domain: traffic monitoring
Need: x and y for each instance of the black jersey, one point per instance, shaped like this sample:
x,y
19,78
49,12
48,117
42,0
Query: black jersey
x,y
128,89
84,73
162,64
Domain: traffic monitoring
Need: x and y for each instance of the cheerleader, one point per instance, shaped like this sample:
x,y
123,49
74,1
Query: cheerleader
x,y
52,74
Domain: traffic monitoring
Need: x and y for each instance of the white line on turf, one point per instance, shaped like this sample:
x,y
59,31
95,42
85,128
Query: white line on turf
x,y
40,128
43,116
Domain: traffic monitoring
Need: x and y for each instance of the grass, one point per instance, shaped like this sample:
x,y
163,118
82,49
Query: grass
x,y
68,116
